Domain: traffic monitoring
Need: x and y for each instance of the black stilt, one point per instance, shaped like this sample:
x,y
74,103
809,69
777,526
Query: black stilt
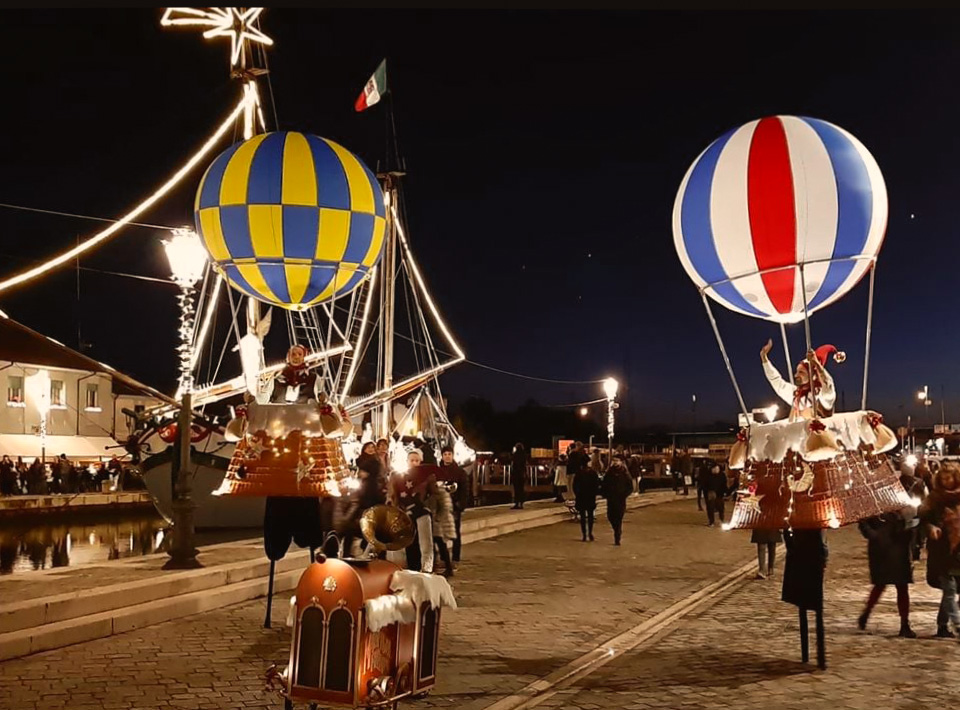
x,y
821,642
266,620
804,637
313,555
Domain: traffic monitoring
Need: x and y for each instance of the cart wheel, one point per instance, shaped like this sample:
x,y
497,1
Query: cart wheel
x,y
287,704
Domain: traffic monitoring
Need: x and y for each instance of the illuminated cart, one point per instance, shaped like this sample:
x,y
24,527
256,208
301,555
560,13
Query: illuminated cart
x,y
365,634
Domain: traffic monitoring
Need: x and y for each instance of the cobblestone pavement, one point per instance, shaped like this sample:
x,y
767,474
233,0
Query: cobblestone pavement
x,y
744,653
529,603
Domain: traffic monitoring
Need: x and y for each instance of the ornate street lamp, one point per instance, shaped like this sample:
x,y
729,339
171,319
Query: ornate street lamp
x,y
187,261
610,387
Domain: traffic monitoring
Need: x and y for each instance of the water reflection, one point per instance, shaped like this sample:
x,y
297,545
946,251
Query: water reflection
x,y
47,545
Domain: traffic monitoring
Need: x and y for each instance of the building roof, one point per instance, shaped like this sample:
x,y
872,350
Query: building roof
x,y
22,345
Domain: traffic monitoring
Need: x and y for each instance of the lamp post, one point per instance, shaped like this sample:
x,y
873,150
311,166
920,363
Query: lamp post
x,y
187,262
610,387
43,406
924,396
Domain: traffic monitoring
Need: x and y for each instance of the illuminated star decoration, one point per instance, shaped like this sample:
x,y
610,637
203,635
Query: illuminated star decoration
x,y
752,502
303,470
254,447
232,22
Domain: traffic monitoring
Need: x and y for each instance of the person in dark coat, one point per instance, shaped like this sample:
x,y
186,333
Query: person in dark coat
x,y
518,472
461,497
586,485
803,584
766,542
8,476
889,538
940,512
616,488
715,488
373,491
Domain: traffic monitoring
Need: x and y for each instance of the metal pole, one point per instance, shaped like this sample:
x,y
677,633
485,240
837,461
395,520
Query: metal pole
x,y
786,347
183,552
266,619
388,305
726,359
866,351
943,416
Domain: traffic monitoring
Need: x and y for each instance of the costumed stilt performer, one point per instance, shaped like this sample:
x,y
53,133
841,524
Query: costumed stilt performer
x,y
812,393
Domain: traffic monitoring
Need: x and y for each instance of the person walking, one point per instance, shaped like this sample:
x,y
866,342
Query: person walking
x,y
8,476
715,489
559,478
807,554
889,539
586,485
460,497
686,471
440,505
940,513
634,466
420,551
372,492
518,474
616,487
766,542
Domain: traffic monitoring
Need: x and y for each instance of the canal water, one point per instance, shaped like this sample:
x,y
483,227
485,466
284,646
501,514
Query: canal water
x,y
33,545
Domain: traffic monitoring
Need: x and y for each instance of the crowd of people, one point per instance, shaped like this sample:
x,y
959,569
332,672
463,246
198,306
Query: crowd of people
x,y
61,476
434,502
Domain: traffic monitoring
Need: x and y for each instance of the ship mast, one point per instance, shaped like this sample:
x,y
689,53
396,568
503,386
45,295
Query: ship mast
x,y
388,293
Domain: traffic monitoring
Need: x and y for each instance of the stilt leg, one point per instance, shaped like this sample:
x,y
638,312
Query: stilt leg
x,y
821,642
804,638
266,619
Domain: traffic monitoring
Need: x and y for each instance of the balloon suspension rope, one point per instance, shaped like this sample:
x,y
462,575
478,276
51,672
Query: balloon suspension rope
x,y
806,330
726,359
786,347
866,355
806,315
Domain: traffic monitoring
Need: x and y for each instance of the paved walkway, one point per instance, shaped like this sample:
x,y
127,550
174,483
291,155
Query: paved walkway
x,y
530,602
744,652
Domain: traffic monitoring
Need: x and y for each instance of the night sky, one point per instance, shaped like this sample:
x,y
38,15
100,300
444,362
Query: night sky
x,y
544,152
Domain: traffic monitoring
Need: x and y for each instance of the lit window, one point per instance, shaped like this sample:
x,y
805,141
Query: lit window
x,y
57,394
93,397
15,390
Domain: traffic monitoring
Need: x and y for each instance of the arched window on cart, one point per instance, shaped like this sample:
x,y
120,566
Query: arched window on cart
x,y
339,664
310,647
429,630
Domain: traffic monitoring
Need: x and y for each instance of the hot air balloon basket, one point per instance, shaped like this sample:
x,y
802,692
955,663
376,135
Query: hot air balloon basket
x,y
794,493
294,464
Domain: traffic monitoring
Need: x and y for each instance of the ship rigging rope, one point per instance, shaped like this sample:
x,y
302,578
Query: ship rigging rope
x,y
81,216
102,236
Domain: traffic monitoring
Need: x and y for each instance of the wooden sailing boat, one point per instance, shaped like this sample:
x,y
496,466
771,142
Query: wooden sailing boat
x,y
383,397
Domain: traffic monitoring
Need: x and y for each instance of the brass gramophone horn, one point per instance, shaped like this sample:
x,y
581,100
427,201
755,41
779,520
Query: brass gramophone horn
x,y
387,527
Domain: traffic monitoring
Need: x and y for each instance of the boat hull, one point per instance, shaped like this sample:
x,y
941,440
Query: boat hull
x,y
212,512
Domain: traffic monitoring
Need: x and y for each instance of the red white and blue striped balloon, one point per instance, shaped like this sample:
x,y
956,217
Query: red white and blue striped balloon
x,y
770,196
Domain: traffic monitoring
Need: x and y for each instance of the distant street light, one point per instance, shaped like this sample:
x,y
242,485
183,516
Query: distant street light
x,y
187,261
584,411
924,396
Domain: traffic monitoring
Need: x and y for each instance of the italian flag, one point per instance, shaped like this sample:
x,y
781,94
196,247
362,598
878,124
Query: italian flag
x,y
375,88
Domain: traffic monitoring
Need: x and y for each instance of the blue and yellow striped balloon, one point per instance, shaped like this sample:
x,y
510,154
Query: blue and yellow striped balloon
x,y
291,219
